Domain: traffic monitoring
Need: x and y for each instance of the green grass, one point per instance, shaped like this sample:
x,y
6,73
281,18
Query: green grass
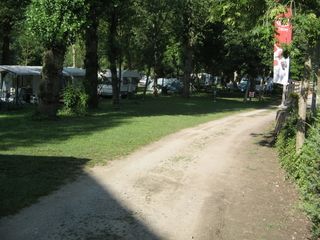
x,y
36,157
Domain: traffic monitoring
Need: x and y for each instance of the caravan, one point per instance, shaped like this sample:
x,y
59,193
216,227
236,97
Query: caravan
x,y
21,84
129,82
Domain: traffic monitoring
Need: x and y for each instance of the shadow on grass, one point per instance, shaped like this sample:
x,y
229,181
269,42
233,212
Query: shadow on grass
x,y
80,210
18,130
23,179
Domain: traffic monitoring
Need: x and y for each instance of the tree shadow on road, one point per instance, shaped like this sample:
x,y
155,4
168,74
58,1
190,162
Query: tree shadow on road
x,y
265,139
83,209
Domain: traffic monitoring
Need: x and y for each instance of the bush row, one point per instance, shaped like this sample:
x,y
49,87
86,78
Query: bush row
x,y
303,168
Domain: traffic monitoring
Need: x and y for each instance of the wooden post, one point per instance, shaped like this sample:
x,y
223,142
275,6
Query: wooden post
x,y
318,88
284,96
302,112
314,95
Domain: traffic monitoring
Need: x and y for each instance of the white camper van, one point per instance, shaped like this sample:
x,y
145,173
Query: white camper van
x,y
129,82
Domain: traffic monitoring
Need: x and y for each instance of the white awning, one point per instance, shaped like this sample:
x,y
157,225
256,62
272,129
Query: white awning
x,y
36,71
124,73
75,72
22,70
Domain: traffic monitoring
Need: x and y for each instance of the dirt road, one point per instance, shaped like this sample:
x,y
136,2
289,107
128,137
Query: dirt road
x,y
216,181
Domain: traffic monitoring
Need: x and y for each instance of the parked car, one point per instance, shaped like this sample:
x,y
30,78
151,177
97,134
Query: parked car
x,y
242,86
170,85
267,85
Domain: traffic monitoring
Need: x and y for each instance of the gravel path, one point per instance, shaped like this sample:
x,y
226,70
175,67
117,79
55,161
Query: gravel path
x,y
217,181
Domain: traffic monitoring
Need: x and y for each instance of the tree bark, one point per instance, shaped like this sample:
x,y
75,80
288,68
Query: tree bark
x,y
261,90
5,48
91,58
113,25
188,57
155,85
246,93
147,83
314,96
318,88
74,56
51,75
302,112
120,78
316,79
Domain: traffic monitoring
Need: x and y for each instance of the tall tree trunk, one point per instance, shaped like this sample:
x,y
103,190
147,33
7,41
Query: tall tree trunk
x,y
156,62
316,79
147,82
51,75
246,92
91,58
6,53
155,85
188,55
113,58
74,56
318,88
261,90
302,112
314,96
120,78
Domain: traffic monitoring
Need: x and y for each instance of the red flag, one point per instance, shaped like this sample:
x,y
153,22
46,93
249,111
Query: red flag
x,y
283,35
284,27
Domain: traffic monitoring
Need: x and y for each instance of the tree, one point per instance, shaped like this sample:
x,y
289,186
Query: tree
x,y
153,34
119,15
11,12
55,23
248,39
26,47
75,54
192,17
91,42
306,26
306,39
210,51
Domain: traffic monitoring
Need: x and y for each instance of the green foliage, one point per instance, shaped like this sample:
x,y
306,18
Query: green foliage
x,y
56,22
75,100
308,177
12,11
286,144
80,54
151,37
28,49
304,168
306,35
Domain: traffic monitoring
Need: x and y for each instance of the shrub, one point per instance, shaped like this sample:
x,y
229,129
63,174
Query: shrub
x,y
304,168
75,100
286,144
309,177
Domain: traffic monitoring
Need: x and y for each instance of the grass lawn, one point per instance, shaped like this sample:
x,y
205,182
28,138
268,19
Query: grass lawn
x,y
36,157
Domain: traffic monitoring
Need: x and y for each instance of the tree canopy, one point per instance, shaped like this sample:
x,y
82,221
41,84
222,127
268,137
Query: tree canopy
x,y
177,38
